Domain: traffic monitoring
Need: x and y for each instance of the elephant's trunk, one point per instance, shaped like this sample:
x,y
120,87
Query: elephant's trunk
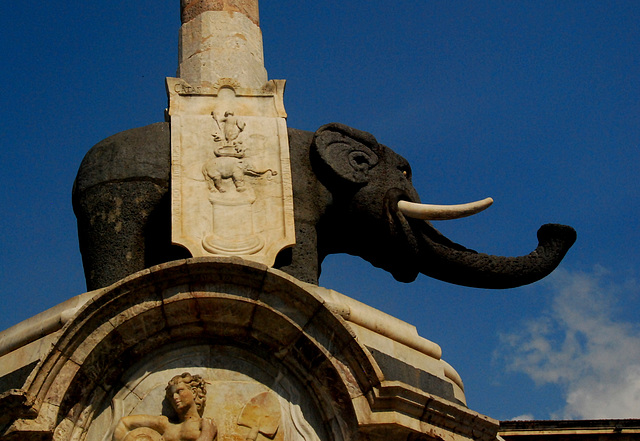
x,y
468,268
436,256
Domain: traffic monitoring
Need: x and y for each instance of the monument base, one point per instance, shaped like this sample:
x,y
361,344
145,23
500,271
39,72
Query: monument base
x,y
317,364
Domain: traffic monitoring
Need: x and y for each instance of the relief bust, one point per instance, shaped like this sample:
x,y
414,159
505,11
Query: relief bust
x,y
187,395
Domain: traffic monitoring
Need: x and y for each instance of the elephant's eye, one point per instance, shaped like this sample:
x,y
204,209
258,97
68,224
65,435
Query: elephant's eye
x,y
406,172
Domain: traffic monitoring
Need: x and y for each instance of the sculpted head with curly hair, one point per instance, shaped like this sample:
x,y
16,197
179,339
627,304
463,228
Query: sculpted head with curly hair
x,y
186,390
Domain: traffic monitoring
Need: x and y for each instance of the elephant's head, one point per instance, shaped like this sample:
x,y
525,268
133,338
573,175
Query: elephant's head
x,y
351,195
372,211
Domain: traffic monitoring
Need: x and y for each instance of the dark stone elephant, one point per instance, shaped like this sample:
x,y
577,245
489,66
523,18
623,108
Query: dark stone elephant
x,y
346,189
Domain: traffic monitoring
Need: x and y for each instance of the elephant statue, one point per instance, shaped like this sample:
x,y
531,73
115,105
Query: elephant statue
x,y
351,195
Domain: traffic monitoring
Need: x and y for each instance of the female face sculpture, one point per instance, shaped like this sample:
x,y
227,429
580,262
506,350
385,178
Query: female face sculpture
x,y
182,398
187,394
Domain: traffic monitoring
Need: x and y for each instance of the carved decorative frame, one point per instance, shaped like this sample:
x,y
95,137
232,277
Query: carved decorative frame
x,y
231,190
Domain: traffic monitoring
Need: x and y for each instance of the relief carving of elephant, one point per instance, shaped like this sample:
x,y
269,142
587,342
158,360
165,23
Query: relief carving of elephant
x,y
230,163
351,195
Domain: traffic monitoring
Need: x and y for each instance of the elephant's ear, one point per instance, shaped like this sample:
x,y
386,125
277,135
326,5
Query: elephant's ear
x,y
346,153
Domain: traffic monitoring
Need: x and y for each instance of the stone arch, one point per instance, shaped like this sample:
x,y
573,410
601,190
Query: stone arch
x,y
205,302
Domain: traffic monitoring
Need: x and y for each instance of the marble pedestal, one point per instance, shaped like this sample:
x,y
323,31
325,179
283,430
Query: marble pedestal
x,y
330,367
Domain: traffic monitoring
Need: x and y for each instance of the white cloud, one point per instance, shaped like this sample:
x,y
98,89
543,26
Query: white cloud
x,y
580,346
525,417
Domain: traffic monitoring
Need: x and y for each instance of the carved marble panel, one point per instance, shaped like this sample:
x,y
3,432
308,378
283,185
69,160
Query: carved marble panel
x,y
230,172
245,399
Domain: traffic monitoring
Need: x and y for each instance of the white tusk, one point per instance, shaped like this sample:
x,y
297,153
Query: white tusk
x,y
442,212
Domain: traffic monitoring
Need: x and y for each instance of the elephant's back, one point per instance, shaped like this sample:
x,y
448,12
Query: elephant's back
x,y
143,153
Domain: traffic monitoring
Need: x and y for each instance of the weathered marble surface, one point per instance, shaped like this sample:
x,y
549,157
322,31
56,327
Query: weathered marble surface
x,y
221,44
231,191
234,378
247,329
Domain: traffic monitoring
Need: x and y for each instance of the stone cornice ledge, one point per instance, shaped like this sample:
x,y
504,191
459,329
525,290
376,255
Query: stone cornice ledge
x,y
43,324
398,404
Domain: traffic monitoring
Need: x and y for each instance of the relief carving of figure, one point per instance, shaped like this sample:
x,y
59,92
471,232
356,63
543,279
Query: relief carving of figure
x,y
232,127
187,395
229,160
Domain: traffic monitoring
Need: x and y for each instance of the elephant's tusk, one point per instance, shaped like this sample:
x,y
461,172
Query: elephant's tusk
x,y
442,212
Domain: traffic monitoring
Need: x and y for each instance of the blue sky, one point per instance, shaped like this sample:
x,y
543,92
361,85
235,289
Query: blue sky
x,y
536,104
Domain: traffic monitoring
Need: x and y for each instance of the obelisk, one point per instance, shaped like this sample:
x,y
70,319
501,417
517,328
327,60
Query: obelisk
x,y
221,39
231,192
